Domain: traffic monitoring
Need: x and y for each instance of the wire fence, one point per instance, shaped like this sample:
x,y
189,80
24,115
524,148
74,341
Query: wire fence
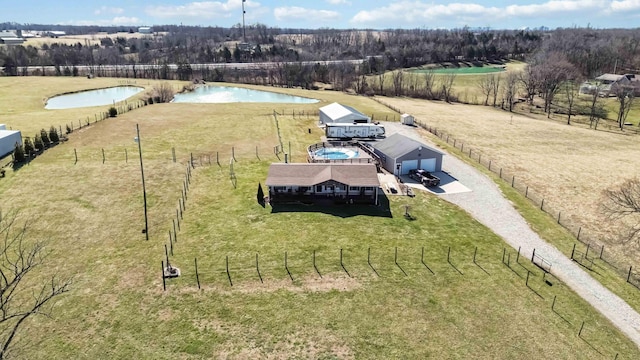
x,y
537,198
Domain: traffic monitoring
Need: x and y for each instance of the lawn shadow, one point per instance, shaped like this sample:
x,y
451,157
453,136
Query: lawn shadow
x,y
339,210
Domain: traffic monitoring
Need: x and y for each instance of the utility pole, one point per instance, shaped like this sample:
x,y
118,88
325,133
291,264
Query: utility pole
x,y
244,33
144,189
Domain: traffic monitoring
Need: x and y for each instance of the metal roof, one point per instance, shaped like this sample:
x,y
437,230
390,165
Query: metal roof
x,y
303,174
398,145
337,111
610,77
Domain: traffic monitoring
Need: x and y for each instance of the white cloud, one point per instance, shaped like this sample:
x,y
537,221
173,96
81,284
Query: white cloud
x,y
202,9
625,5
294,13
118,20
338,2
420,12
108,10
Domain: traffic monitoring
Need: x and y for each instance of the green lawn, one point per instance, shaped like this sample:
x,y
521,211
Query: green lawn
x,y
91,214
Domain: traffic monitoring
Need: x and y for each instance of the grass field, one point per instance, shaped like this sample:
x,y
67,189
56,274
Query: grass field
x,y
91,214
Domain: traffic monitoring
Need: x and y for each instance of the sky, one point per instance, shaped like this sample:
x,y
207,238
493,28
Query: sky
x,y
338,14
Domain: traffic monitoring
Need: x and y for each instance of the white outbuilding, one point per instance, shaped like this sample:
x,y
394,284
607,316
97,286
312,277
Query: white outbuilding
x,y
8,140
338,113
407,119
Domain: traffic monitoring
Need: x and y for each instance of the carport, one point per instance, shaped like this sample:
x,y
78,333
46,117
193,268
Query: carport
x,y
400,154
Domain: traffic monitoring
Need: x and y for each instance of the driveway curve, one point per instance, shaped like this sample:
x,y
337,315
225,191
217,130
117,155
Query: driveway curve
x,y
487,204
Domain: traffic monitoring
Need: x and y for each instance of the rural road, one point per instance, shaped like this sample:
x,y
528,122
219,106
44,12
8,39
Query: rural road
x,y
487,204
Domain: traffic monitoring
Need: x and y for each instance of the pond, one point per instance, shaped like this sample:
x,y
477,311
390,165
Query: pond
x,y
92,98
224,94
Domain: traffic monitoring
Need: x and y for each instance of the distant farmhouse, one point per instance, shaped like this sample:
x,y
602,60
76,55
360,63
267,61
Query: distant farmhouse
x,y
54,33
608,84
145,30
10,38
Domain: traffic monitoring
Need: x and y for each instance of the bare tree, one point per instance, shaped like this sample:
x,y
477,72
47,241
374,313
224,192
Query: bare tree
x,y
495,87
596,108
570,90
429,80
623,204
484,84
398,81
625,96
529,82
447,85
510,89
21,295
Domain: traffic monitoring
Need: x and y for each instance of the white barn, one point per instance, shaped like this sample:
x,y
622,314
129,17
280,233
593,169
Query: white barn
x,y
8,140
338,113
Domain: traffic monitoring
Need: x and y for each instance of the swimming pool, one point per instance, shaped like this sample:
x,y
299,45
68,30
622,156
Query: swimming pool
x,y
336,153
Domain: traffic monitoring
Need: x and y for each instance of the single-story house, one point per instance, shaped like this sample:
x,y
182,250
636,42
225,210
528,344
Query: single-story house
x,y
145,30
400,154
313,182
338,113
608,84
8,140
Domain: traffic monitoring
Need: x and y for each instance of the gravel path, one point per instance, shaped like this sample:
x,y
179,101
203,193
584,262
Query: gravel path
x,y
487,204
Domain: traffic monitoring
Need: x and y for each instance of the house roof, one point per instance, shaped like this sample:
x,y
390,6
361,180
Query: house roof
x,y
303,174
397,145
610,77
7,34
337,111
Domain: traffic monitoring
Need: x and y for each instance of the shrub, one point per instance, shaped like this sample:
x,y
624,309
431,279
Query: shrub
x,y
113,112
163,93
53,135
69,130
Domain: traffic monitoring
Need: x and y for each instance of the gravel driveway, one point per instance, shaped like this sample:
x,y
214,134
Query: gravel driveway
x,y
486,204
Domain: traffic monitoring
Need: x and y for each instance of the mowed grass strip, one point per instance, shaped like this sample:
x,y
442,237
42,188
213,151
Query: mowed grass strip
x,y
91,214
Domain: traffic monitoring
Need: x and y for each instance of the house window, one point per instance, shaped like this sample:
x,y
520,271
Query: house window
x,y
329,187
354,188
368,188
318,188
279,188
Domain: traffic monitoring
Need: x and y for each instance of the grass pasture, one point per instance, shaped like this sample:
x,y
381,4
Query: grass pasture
x,y
91,214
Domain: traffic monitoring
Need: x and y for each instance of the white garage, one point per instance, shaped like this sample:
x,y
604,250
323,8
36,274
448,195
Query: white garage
x,y
338,113
400,154
8,140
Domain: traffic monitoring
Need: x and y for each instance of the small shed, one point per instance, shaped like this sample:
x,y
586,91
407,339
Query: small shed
x,y
407,119
400,154
8,140
338,113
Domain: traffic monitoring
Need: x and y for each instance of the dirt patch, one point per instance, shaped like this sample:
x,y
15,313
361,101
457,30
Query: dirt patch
x,y
568,166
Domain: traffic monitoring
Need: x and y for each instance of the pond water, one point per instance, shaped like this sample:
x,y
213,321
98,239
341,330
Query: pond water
x,y
92,98
224,94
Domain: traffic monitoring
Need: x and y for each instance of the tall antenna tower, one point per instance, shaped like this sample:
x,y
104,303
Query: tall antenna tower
x,y
244,33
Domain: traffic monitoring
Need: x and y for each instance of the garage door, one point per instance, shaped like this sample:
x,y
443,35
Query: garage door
x,y
408,165
428,164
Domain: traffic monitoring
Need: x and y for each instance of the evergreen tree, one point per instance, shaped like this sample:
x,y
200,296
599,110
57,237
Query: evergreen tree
x,y
28,146
37,143
53,135
18,154
45,137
